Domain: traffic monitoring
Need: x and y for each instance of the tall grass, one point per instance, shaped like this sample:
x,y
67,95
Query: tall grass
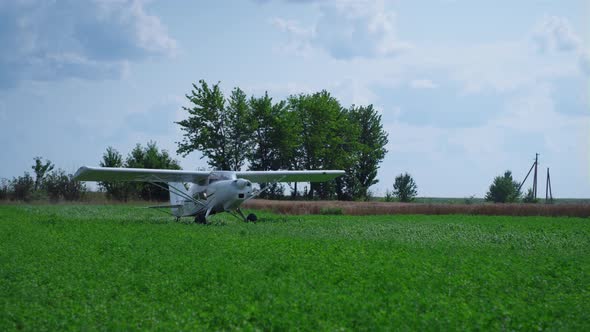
x,y
377,208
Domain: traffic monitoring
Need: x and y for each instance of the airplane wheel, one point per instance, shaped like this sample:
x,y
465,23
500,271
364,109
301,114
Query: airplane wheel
x,y
200,219
252,217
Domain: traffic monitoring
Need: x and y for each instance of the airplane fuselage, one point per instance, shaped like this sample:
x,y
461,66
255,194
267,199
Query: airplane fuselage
x,y
217,195
227,195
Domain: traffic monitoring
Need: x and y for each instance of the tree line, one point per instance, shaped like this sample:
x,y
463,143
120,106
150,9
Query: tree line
x,y
149,156
45,183
305,131
48,183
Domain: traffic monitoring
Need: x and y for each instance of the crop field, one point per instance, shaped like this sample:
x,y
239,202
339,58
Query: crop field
x,y
375,208
121,267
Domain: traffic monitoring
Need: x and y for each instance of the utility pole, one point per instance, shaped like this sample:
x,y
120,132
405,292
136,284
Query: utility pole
x,y
526,177
534,165
548,193
535,176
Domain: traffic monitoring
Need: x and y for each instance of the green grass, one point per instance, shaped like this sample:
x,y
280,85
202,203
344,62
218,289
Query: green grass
x,y
120,267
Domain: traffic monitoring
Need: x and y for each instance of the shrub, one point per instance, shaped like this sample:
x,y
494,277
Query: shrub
x,y
52,185
73,190
529,197
469,200
369,197
272,191
405,188
4,189
58,185
503,189
389,197
22,187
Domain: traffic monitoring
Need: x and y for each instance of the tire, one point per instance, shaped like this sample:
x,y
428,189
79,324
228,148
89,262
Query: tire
x,y
252,217
200,219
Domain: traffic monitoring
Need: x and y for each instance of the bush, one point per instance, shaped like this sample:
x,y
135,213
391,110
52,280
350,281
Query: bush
x,y
529,197
503,189
405,188
368,197
389,197
275,191
22,187
60,185
52,185
4,189
74,190
469,200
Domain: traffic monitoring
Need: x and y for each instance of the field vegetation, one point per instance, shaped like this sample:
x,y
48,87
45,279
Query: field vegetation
x,y
121,267
435,207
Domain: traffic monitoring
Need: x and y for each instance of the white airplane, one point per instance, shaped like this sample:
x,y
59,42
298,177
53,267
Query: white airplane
x,y
210,191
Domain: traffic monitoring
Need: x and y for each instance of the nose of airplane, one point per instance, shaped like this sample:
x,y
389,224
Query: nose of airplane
x,y
241,183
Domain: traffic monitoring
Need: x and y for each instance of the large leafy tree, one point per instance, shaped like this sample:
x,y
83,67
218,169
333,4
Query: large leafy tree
x,y
325,139
367,153
308,131
274,139
153,158
238,128
504,189
217,131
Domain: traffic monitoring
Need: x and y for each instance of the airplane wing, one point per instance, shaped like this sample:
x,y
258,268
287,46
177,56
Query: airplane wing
x,y
289,176
86,173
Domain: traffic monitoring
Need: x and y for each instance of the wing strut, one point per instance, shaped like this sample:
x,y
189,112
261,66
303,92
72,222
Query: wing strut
x,y
260,191
176,191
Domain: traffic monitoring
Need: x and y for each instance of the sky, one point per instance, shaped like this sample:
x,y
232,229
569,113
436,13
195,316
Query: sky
x,y
466,89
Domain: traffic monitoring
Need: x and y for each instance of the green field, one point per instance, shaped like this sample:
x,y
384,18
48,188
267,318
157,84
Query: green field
x,y
121,267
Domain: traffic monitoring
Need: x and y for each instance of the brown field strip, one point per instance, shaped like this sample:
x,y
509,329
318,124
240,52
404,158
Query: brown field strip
x,y
374,208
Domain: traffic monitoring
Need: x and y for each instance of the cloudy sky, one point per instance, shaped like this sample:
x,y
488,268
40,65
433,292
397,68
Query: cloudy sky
x,y
467,89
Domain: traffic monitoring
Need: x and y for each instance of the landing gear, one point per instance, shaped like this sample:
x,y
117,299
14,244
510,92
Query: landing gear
x,y
250,218
200,219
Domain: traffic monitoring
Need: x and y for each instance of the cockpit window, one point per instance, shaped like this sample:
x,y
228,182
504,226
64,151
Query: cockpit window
x,y
221,175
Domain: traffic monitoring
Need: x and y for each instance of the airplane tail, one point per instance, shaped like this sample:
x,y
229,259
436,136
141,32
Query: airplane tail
x,y
176,199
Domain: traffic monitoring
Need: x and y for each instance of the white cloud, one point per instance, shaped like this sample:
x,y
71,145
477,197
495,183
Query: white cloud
x,y
292,27
422,84
555,33
53,40
349,29
531,112
151,33
298,37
